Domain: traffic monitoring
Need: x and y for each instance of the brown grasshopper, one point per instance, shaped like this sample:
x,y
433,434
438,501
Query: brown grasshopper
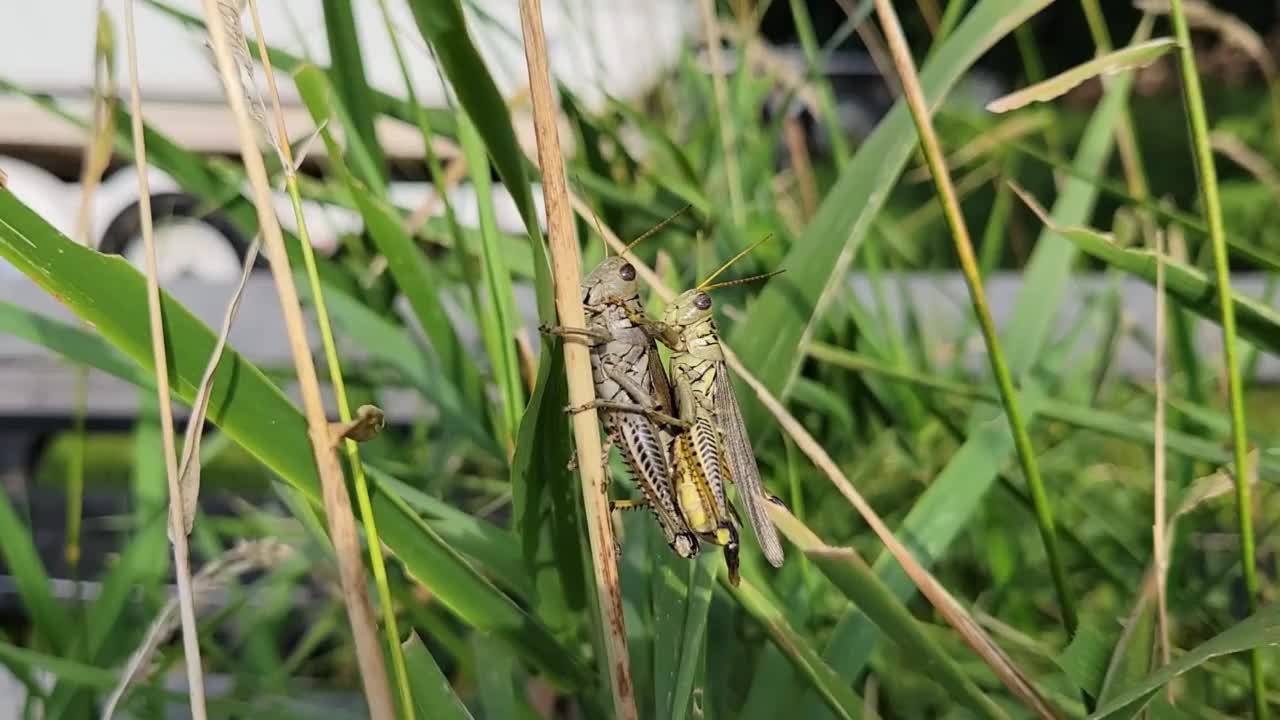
x,y
715,446
632,392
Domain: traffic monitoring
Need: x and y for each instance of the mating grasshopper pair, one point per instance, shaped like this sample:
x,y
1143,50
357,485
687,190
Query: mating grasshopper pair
x,y
681,435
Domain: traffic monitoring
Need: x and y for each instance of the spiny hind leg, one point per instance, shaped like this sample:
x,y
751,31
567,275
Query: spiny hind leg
x,y
731,562
654,415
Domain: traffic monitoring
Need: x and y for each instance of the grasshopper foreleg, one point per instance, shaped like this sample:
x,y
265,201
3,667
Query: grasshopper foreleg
x,y
648,412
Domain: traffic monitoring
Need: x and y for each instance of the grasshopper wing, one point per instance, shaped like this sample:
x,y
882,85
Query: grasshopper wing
x,y
744,471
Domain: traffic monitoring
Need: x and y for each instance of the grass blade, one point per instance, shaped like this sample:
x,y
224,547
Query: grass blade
x,y
567,273
347,63
1191,287
1258,630
432,693
847,571
414,276
260,418
1132,57
789,305
796,648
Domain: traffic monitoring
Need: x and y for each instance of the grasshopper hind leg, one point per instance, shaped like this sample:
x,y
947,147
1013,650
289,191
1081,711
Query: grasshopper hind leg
x,y
731,559
683,544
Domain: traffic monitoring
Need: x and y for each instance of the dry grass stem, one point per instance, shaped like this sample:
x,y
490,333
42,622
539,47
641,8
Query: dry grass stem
x,y
1230,28
181,557
928,585
213,577
931,148
1241,154
567,274
337,502
798,152
1160,481
93,164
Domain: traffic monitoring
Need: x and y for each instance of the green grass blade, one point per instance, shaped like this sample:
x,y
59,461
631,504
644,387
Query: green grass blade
x,y
347,74
489,546
498,318
432,694
287,62
788,306
545,497
52,622
444,27
1258,630
1189,286
691,637
415,277
391,344
848,572
833,688
260,418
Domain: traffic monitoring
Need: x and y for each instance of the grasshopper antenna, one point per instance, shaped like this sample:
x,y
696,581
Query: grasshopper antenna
x,y
703,285
659,226
595,218
742,281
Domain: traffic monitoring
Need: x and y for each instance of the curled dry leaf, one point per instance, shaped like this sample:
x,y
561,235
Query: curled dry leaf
x,y
189,465
214,576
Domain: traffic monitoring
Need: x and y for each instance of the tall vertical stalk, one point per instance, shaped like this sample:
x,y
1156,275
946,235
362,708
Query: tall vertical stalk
x,y
394,649
1207,175
968,264
337,501
567,273
177,528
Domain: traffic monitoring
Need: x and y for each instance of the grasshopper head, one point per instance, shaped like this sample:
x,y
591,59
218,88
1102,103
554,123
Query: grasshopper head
x,y
690,308
613,280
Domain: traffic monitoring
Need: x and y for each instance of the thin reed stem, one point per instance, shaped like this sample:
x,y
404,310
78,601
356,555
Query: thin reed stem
x,y
1217,238
1159,479
337,503
969,267
390,626
177,529
567,274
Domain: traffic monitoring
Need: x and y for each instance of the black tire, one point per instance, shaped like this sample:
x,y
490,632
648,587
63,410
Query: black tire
x,y
127,224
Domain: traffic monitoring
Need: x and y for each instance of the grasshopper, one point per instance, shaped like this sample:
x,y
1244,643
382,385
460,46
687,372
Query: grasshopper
x,y
632,391
714,445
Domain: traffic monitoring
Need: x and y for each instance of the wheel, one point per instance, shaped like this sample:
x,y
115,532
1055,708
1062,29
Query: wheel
x,y
188,242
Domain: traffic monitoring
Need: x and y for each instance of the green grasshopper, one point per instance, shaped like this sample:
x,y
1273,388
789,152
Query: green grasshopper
x,y
713,446
632,391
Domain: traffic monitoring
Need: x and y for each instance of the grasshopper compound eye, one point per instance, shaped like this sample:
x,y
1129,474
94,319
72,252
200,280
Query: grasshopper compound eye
x,y
628,272
702,302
